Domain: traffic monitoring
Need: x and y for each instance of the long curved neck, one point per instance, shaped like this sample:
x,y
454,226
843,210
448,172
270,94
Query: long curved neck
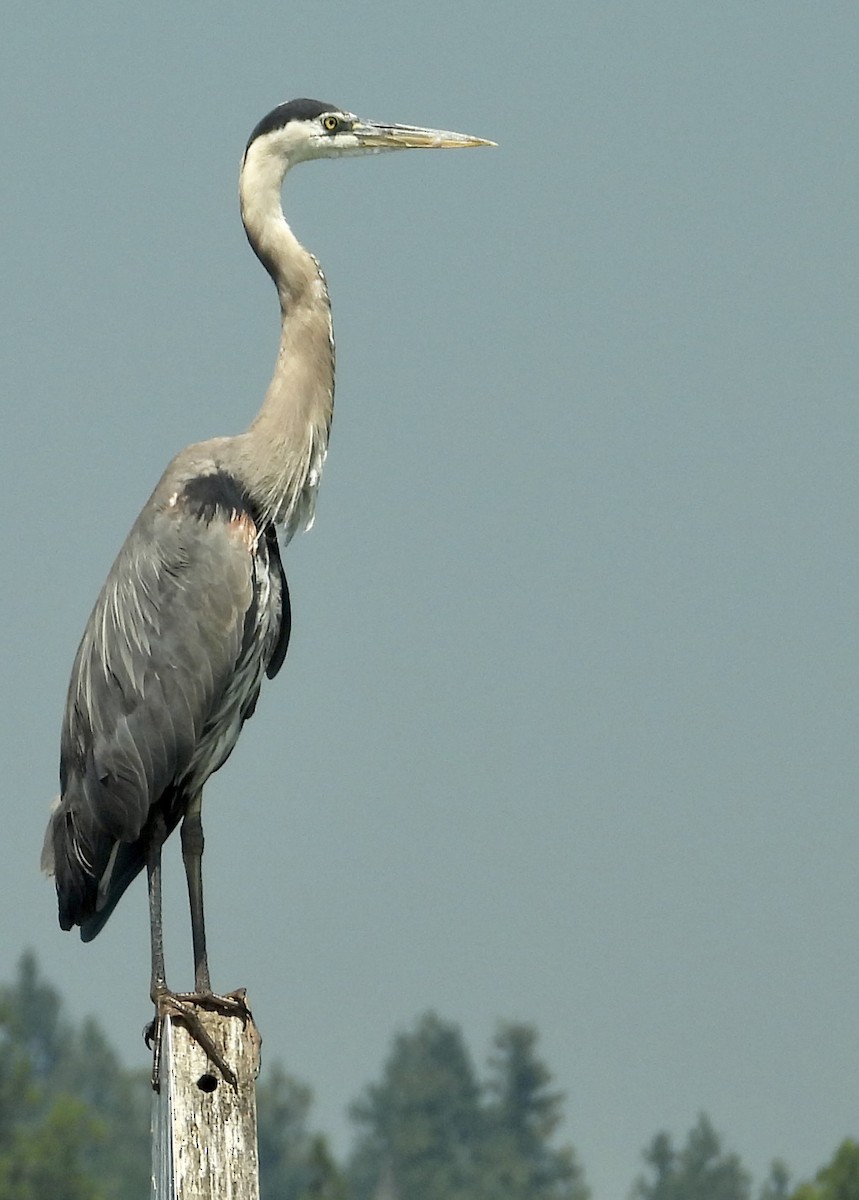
x,y
282,453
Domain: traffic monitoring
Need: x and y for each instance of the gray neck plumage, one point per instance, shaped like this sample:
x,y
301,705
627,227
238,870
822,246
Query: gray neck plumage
x,y
282,453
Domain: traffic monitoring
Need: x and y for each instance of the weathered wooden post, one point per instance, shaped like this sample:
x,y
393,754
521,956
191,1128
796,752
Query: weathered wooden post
x,y
204,1130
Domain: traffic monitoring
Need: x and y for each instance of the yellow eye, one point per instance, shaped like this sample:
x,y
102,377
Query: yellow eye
x,y
330,124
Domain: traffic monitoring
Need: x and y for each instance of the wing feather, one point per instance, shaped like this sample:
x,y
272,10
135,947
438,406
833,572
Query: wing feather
x,y
192,613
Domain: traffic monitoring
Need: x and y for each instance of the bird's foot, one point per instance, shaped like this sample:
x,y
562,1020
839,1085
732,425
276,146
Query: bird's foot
x,y
184,1005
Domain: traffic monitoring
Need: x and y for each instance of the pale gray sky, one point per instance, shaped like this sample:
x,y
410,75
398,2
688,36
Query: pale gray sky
x,y
567,731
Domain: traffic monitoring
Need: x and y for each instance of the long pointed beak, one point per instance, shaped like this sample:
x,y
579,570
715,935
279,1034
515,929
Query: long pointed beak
x,y
406,137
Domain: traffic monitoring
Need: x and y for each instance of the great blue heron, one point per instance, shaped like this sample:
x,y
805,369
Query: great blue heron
x,y
195,609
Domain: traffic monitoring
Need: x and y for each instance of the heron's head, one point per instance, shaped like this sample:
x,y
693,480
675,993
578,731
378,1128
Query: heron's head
x,y
305,129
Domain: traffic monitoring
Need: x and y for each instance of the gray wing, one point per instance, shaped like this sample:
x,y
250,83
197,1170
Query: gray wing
x,y
194,610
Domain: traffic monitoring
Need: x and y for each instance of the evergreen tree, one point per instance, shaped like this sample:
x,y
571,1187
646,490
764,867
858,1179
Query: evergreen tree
x,y
521,1119
700,1171
31,1022
777,1185
43,1158
838,1180
294,1164
119,1100
46,1134
429,1131
420,1127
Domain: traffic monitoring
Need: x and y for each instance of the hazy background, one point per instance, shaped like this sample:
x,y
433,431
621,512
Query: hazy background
x,y
567,731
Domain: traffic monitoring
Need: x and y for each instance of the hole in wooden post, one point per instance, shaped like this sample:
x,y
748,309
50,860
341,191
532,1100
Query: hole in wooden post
x,y
207,1083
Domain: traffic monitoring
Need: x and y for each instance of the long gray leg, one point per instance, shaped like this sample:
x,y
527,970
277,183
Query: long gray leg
x,y
192,856
158,982
165,1001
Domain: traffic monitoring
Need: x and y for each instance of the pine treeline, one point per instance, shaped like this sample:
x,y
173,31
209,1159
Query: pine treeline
x,y
429,1129
74,1125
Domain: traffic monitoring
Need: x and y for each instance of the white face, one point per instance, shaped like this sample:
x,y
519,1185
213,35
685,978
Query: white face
x,y
326,136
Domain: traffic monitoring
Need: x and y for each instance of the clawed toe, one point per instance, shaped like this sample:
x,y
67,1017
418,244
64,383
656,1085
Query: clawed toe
x,y
183,1005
